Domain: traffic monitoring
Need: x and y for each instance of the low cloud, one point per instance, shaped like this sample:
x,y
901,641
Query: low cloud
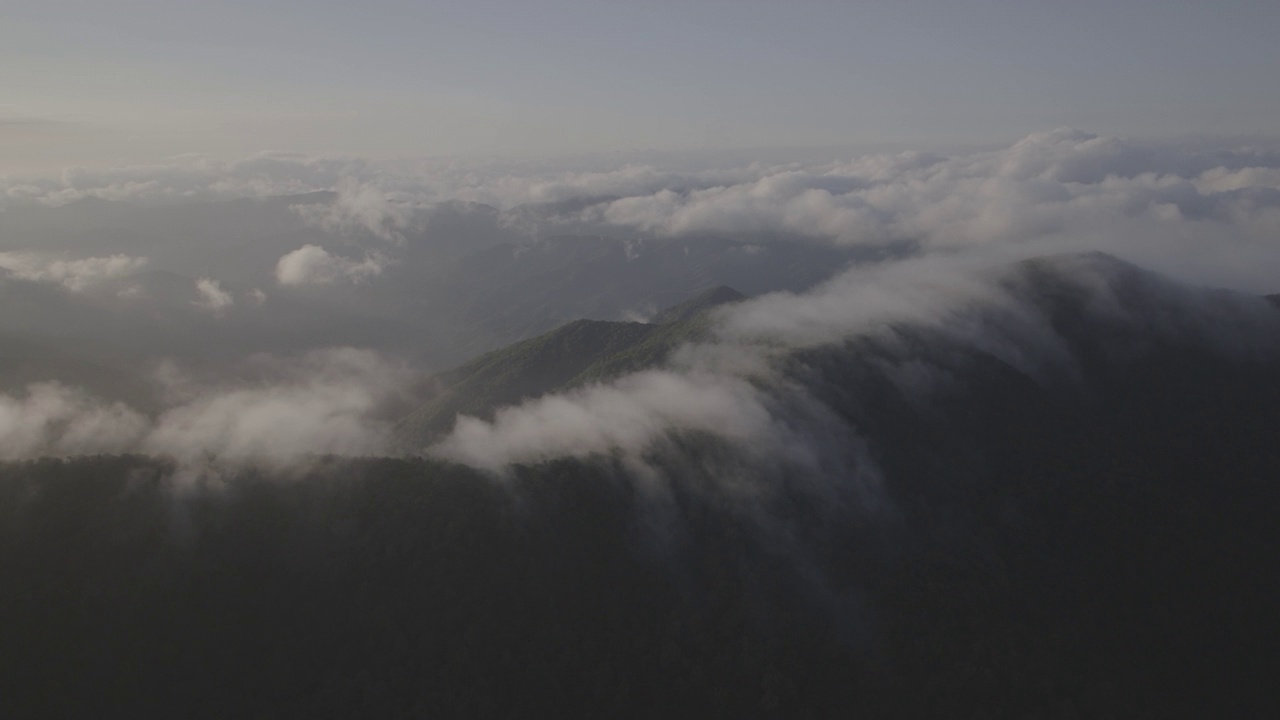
x,y
53,419
325,402
361,207
313,265
739,387
75,275
631,413
212,297
1062,189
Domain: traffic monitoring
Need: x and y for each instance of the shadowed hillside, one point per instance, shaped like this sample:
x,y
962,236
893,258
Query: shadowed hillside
x,y
1092,538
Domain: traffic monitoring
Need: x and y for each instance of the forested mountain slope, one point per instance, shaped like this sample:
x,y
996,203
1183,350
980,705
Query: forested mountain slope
x,y
1094,537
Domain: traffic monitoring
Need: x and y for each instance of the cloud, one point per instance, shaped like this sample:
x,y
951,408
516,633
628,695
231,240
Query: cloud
x,y
1205,213
1049,192
313,265
75,275
628,414
324,402
51,418
1057,190
742,386
362,207
212,297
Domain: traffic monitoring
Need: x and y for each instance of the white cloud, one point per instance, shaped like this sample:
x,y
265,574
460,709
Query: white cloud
x,y
1051,190
733,385
313,265
1206,215
51,418
362,207
75,275
1061,190
212,297
630,414
325,402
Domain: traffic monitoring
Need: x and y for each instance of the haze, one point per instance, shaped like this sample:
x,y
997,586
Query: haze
x,y
132,81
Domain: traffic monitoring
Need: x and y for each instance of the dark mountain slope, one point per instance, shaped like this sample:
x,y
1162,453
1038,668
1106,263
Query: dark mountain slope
x,y
1095,542
1046,555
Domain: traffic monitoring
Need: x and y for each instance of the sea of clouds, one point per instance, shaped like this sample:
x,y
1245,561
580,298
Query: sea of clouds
x,y
1202,213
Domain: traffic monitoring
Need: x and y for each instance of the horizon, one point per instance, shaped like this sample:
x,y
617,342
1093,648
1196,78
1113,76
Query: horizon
x,y
127,83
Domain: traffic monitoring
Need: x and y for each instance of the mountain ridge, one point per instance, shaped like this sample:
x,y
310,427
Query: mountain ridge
x,y
572,355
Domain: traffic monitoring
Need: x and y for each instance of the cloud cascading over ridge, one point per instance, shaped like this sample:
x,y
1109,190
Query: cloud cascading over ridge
x,y
733,385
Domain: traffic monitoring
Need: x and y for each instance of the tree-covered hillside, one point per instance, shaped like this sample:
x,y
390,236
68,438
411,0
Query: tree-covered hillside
x,y
1099,543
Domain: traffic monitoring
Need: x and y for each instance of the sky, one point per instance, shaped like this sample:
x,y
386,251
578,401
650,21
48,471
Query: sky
x,y
99,83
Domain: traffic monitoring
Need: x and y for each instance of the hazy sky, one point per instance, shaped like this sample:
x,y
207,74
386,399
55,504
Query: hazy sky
x,y
115,81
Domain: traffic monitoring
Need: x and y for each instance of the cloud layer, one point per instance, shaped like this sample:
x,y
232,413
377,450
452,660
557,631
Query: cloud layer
x,y
1064,189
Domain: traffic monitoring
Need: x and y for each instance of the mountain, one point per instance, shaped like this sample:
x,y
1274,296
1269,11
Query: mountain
x,y
572,355
1093,538
1060,503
